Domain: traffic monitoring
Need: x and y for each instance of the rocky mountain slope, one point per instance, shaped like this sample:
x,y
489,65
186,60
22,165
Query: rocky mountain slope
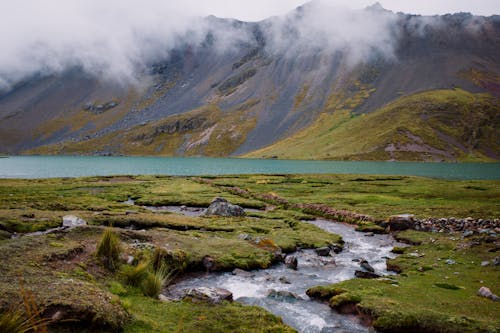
x,y
285,87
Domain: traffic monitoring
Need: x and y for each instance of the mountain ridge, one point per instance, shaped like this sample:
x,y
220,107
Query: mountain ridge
x,y
253,95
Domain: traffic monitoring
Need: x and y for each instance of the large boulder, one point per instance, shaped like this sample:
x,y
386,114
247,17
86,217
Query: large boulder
x,y
208,294
323,251
221,207
71,221
400,222
366,266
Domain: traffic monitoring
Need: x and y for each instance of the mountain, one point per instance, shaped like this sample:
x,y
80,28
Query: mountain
x,y
317,83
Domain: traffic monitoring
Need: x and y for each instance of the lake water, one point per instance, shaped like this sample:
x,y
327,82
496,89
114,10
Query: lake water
x,y
77,166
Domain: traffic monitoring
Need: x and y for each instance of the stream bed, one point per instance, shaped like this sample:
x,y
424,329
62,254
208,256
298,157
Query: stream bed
x,y
305,315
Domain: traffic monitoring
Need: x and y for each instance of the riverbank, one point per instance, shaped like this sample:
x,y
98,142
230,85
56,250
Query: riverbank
x,y
62,274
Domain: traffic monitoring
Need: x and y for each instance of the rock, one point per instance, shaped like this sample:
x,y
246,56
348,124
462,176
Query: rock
x,y
242,273
323,251
467,233
284,279
486,292
163,298
369,234
208,294
71,221
485,263
336,248
365,265
130,260
365,275
246,237
283,294
221,207
291,262
450,262
400,222
496,261
208,263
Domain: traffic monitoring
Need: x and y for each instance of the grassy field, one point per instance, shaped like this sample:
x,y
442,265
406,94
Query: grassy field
x,y
452,125
61,273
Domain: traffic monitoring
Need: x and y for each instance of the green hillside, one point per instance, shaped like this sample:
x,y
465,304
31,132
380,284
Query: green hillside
x,y
437,125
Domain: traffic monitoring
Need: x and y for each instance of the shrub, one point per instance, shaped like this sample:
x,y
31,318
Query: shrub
x,y
109,249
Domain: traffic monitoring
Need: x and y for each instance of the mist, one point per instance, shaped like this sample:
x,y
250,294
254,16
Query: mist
x,y
118,39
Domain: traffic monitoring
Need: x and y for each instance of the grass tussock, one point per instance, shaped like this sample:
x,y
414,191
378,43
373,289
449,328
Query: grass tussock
x,y
109,249
155,281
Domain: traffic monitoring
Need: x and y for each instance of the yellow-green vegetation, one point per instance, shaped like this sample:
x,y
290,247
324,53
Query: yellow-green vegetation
x,y
109,249
207,131
379,196
155,316
436,290
64,274
452,125
70,271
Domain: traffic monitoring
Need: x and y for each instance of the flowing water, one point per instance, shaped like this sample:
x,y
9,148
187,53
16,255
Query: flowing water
x,y
305,315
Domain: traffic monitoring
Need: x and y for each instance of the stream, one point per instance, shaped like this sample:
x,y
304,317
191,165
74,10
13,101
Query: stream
x,y
301,313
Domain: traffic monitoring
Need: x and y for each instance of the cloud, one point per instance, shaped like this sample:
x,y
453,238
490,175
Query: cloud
x,y
319,26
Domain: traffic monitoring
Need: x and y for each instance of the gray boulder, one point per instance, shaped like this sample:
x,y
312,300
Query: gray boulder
x,y
221,207
291,262
242,273
208,294
323,251
71,221
366,266
283,294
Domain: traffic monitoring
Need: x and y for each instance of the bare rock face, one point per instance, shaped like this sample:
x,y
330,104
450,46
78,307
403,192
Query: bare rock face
x,y
208,294
73,221
221,207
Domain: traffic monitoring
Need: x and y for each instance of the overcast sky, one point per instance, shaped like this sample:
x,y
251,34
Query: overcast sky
x,y
255,10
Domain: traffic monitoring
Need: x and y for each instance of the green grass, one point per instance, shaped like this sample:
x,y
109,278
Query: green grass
x,y
444,124
380,196
429,295
154,316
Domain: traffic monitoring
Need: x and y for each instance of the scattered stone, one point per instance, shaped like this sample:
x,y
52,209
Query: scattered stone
x,y
486,292
485,263
283,294
71,221
323,251
365,265
450,262
284,279
221,207
365,275
130,260
242,273
246,237
496,261
183,208
336,248
208,294
467,233
291,262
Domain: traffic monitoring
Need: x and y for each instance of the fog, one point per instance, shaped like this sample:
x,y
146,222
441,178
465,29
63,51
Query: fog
x,y
117,39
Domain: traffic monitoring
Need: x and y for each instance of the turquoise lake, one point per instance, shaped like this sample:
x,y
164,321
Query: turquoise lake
x,y
78,166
